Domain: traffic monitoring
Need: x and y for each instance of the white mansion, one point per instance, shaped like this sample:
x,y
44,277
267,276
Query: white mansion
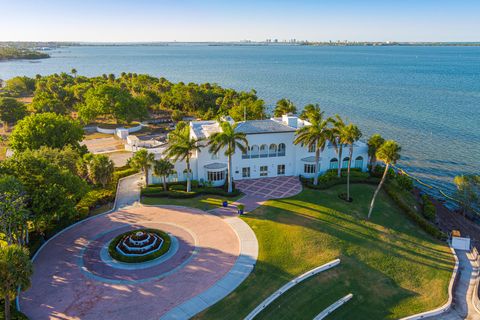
x,y
271,153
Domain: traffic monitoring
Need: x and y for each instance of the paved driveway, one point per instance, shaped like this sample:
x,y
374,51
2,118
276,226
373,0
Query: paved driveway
x,y
270,188
72,280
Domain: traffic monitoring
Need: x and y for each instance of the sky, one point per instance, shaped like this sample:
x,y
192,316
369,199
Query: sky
x,y
257,20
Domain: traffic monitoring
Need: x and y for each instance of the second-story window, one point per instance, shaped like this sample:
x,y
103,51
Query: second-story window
x,y
311,148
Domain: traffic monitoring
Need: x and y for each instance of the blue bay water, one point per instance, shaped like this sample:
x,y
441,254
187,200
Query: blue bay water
x,y
427,98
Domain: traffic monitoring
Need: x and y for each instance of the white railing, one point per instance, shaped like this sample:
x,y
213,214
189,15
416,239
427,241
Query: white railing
x,y
265,303
334,306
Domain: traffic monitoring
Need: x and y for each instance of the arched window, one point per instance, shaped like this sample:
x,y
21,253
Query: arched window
x,y
263,151
345,162
334,163
254,151
359,162
281,149
272,152
246,154
312,147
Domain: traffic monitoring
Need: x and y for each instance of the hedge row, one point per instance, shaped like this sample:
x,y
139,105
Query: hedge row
x,y
177,191
421,221
330,179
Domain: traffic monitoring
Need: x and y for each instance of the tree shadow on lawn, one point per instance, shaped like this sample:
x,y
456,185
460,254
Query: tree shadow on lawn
x,y
441,261
374,294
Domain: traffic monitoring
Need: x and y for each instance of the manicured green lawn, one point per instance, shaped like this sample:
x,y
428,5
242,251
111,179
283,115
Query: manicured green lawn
x,y
204,202
390,265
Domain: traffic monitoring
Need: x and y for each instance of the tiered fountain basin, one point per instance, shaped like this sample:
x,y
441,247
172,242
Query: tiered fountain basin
x,y
139,245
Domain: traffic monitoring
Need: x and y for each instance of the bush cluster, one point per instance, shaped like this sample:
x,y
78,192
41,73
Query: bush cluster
x,y
429,211
421,221
93,199
99,196
405,182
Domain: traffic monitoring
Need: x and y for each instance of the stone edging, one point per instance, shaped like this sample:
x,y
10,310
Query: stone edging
x,y
446,307
334,306
265,303
114,208
237,274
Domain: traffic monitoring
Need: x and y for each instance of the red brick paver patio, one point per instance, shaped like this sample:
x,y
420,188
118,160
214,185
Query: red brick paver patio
x,y
257,191
270,188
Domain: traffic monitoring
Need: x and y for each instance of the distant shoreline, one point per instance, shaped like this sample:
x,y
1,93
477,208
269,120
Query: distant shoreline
x,y
55,45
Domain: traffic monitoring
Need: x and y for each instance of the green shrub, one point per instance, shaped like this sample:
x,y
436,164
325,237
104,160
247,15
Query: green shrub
x,y
429,210
378,172
118,174
405,182
95,198
421,221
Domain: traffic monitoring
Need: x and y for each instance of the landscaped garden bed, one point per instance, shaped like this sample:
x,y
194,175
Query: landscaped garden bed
x,y
139,245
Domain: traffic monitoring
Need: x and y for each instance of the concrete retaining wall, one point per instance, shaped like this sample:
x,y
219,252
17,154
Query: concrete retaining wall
x,y
446,307
334,306
113,131
265,303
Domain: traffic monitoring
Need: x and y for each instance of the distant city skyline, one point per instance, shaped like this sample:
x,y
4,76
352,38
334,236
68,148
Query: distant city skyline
x,y
219,21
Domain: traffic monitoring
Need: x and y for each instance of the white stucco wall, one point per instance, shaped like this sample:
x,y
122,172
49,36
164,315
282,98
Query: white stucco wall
x,y
294,165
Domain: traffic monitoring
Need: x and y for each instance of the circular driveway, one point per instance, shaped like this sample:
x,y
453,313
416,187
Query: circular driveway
x,y
73,280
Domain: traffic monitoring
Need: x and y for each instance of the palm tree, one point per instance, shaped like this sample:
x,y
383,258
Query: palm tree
x,y
310,111
389,153
100,169
284,106
351,134
317,134
230,141
337,140
181,147
142,160
163,168
15,272
374,143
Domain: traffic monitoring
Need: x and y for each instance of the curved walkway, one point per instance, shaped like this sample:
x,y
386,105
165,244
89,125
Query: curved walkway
x,y
463,307
72,281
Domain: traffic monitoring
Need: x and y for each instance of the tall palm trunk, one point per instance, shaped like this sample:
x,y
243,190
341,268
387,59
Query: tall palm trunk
x,y
339,168
164,183
378,189
317,160
373,163
348,172
7,307
146,175
189,184
229,174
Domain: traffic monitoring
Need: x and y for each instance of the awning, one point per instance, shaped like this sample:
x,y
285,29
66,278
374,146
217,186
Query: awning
x,y
309,159
216,166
